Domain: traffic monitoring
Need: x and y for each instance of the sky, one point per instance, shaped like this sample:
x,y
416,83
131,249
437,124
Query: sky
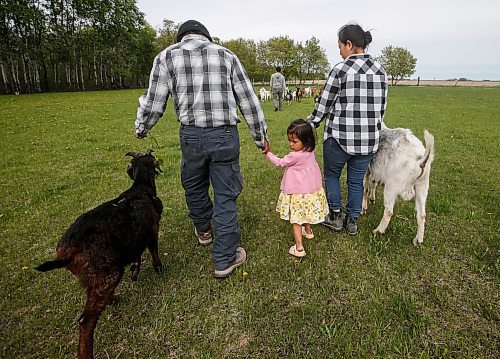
x,y
449,38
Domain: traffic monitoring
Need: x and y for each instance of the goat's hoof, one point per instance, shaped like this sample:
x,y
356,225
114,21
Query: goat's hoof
x,y
417,241
133,276
377,231
159,269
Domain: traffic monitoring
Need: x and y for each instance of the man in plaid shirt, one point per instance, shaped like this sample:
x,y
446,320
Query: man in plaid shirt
x,y
353,103
208,84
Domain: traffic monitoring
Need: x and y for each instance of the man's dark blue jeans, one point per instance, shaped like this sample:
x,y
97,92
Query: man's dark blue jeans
x,y
212,156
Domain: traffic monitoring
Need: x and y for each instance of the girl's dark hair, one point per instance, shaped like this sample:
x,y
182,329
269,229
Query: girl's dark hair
x,y
355,34
304,132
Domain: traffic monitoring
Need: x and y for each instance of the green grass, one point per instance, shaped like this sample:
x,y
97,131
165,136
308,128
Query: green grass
x,y
363,296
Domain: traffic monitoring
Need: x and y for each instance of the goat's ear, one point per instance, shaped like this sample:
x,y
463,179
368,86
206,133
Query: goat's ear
x,y
132,154
149,151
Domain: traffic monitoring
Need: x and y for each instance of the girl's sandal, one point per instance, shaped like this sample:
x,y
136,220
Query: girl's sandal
x,y
308,236
294,252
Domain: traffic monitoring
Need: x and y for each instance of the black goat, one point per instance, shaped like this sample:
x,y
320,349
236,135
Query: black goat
x,y
100,243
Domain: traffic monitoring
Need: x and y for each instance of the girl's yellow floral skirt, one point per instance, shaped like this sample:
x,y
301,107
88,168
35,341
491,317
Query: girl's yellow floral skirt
x,y
303,208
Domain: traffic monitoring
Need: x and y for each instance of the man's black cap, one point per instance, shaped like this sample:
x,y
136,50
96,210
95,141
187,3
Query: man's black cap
x,y
193,26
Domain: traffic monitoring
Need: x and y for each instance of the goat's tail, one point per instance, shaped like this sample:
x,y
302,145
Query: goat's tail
x,y
58,263
426,161
429,146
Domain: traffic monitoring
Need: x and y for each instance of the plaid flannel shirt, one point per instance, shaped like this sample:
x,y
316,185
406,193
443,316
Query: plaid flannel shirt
x,y
207,83
353,102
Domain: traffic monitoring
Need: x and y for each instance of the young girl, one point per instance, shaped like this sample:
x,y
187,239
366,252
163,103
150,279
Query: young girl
x,y
302,200
353,103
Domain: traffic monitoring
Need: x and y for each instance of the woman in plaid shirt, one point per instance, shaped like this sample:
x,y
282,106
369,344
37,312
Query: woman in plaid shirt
x,y
353,103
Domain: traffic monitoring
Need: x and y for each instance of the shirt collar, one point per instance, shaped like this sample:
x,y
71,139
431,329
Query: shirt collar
x,y
359,56
194,36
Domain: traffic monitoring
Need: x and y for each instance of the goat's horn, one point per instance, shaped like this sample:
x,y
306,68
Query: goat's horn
x,y
149,151
132,154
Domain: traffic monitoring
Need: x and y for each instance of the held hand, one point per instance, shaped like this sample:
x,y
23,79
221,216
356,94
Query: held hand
x,y
266,149
140,135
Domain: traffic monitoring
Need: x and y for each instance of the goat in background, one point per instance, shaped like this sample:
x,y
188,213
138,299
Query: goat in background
x,y
264,94
403,165
100,243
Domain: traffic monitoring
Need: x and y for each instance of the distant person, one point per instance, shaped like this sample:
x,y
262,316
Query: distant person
x,y
278,86
302,200
353,102
208,84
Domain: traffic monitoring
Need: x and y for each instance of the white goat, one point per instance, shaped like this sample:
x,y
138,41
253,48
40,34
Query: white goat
x,y
403,165
264,94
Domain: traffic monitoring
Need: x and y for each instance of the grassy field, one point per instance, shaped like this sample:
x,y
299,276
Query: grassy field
x,y
359,297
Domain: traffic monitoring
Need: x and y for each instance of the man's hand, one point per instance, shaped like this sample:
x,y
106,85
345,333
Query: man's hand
x,y
266,149
140,135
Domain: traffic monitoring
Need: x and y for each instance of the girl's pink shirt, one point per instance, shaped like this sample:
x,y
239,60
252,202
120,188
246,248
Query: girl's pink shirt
x,y
302,174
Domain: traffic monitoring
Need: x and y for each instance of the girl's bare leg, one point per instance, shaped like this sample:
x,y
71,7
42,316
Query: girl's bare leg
x,y
307,228
297,236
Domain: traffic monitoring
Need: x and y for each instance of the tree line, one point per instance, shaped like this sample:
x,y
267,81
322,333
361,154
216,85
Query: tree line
x,y
69,45
77,45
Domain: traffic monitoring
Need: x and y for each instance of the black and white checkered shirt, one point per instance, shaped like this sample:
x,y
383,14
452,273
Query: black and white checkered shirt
x,y
207,83
353,102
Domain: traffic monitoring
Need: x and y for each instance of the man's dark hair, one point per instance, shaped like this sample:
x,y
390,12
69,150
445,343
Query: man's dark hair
x,y
278,68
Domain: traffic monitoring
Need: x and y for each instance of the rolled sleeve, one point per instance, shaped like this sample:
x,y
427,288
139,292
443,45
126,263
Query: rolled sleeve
x,y
249,104
153,102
